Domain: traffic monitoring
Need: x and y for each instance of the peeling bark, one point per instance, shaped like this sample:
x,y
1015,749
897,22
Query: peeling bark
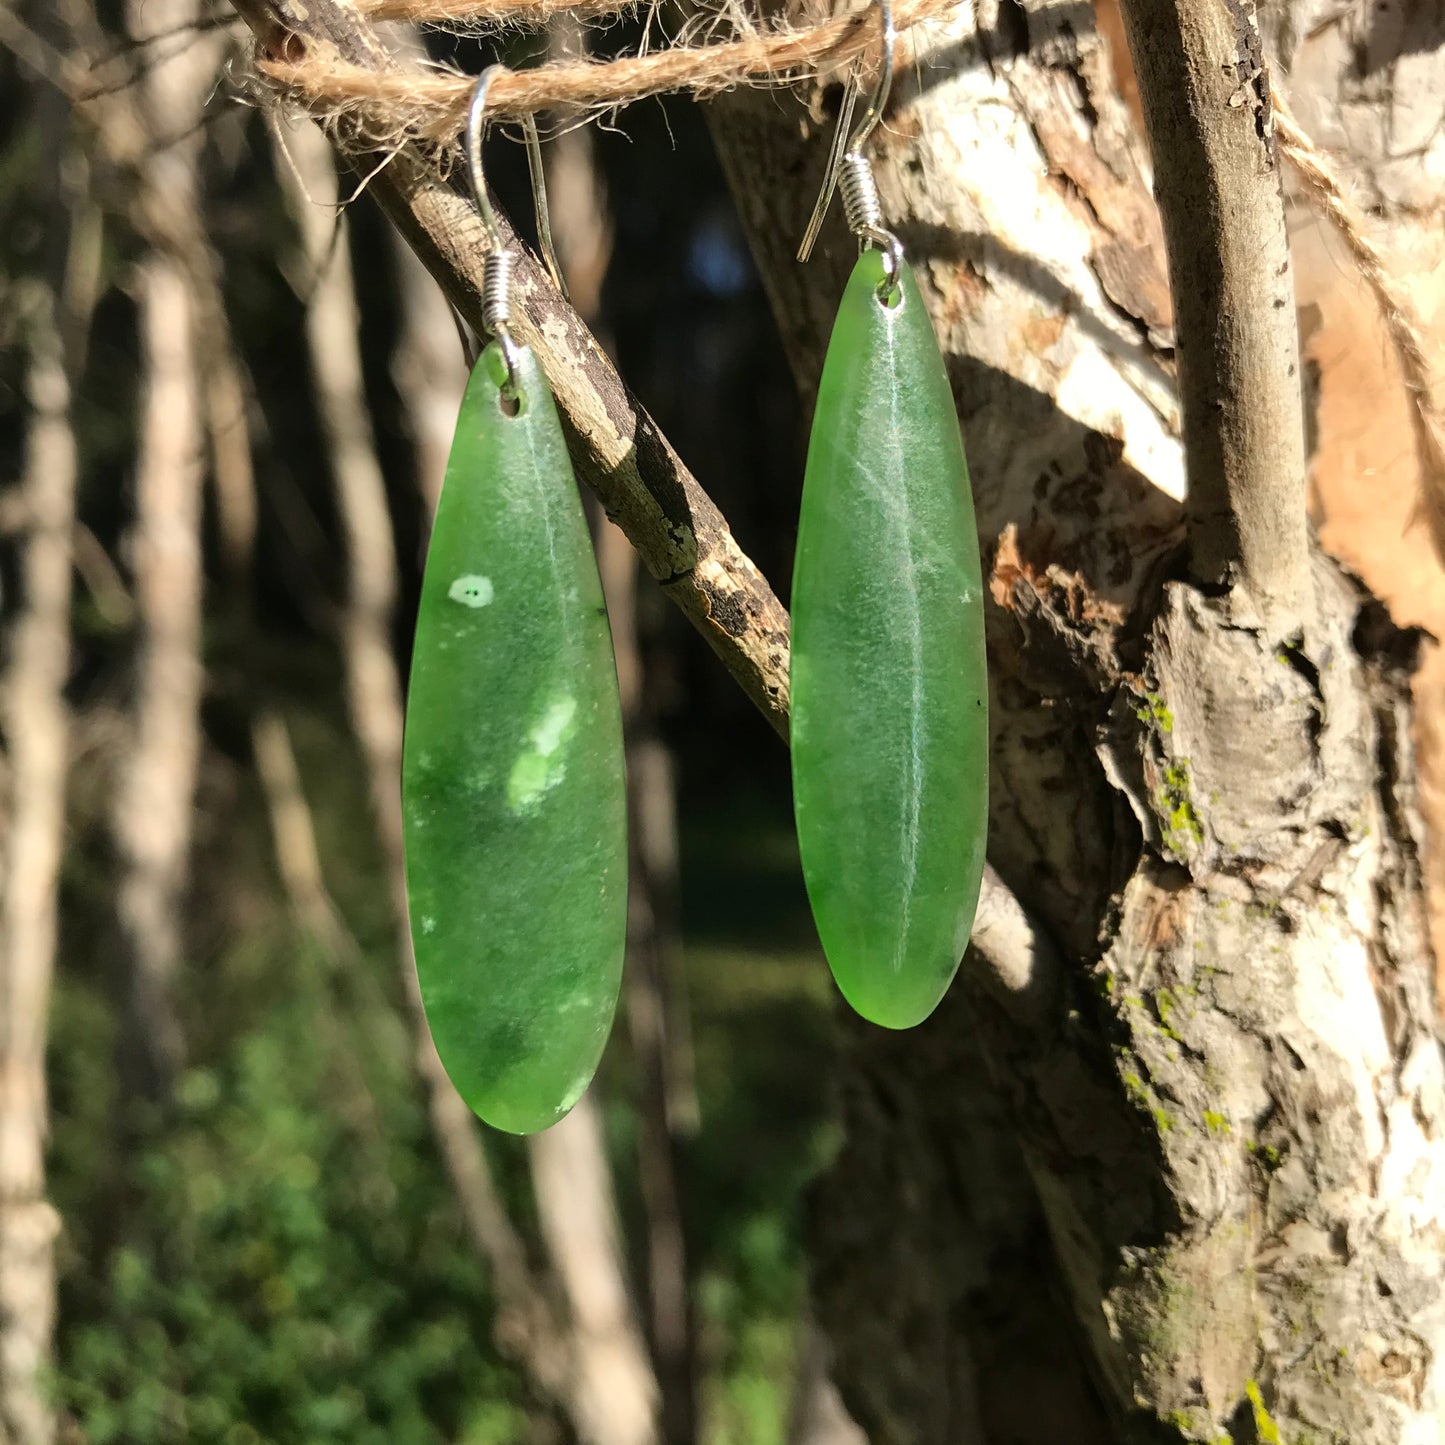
x,y
1037,1164
1225,1099
1367,81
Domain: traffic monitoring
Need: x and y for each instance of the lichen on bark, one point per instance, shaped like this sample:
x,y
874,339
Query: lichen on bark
x,y
1225,1119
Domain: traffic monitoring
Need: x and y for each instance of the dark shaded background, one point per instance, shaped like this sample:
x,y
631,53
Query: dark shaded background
x,y
277,1257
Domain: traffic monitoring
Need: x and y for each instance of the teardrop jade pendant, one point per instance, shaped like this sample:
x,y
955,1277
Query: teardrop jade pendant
x,y
513,788
889,688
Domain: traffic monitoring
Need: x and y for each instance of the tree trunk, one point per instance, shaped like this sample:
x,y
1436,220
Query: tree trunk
x,y
1365,81
1227,1092
1198,1035
154,796
36,726
613,1395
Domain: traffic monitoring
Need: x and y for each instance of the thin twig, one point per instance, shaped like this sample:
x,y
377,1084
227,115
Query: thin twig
x,y
293,834
102,578
1205,97
298,860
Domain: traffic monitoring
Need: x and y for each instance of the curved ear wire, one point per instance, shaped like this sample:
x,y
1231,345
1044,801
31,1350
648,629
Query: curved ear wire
x,y
497,267
884,87
539,205
476,128
846,146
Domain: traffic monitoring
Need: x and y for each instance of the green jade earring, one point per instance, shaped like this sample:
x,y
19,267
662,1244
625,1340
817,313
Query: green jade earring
x,y
889,681
513,785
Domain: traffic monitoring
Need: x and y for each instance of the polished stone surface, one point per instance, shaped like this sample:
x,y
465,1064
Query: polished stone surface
x,y
513,784
889,690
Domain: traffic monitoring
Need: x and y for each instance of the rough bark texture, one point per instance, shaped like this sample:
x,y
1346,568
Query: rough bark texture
x,y
1224,1196
1367,80
1228,1094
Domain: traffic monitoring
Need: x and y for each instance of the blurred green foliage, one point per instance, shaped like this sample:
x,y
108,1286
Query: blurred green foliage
x,y
279,1263
276,1259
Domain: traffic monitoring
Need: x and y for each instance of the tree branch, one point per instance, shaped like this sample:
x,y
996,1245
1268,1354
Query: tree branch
x,y
618,450
1205,92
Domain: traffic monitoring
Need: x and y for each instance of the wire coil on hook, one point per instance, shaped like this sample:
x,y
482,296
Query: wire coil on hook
x,y
861,206
497,269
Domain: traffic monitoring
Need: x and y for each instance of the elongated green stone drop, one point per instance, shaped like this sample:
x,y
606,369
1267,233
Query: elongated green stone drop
x,y
889,692
513,788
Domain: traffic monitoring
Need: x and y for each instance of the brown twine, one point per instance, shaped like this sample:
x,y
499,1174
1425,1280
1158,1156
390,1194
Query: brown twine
x,y
1397,308
454,13
432,106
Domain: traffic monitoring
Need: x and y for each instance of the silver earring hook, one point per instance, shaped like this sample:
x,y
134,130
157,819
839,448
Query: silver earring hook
x,y
498,263
884,88
475,131
849,168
